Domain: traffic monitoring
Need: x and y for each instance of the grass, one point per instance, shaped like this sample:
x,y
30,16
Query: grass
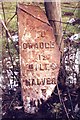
x,y
10,9
70,8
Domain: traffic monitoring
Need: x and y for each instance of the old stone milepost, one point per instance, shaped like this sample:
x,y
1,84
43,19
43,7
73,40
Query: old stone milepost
x,y
39,56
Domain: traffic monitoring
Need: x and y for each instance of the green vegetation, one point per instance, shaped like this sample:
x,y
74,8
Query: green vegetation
x,y
55,109
10,10
70,8
67,8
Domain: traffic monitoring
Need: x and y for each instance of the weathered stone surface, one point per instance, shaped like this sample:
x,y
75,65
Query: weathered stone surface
x,y
39,56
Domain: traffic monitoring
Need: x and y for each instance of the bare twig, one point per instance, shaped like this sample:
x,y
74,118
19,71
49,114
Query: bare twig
x,y
9,34
11,18
62,102
66,28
